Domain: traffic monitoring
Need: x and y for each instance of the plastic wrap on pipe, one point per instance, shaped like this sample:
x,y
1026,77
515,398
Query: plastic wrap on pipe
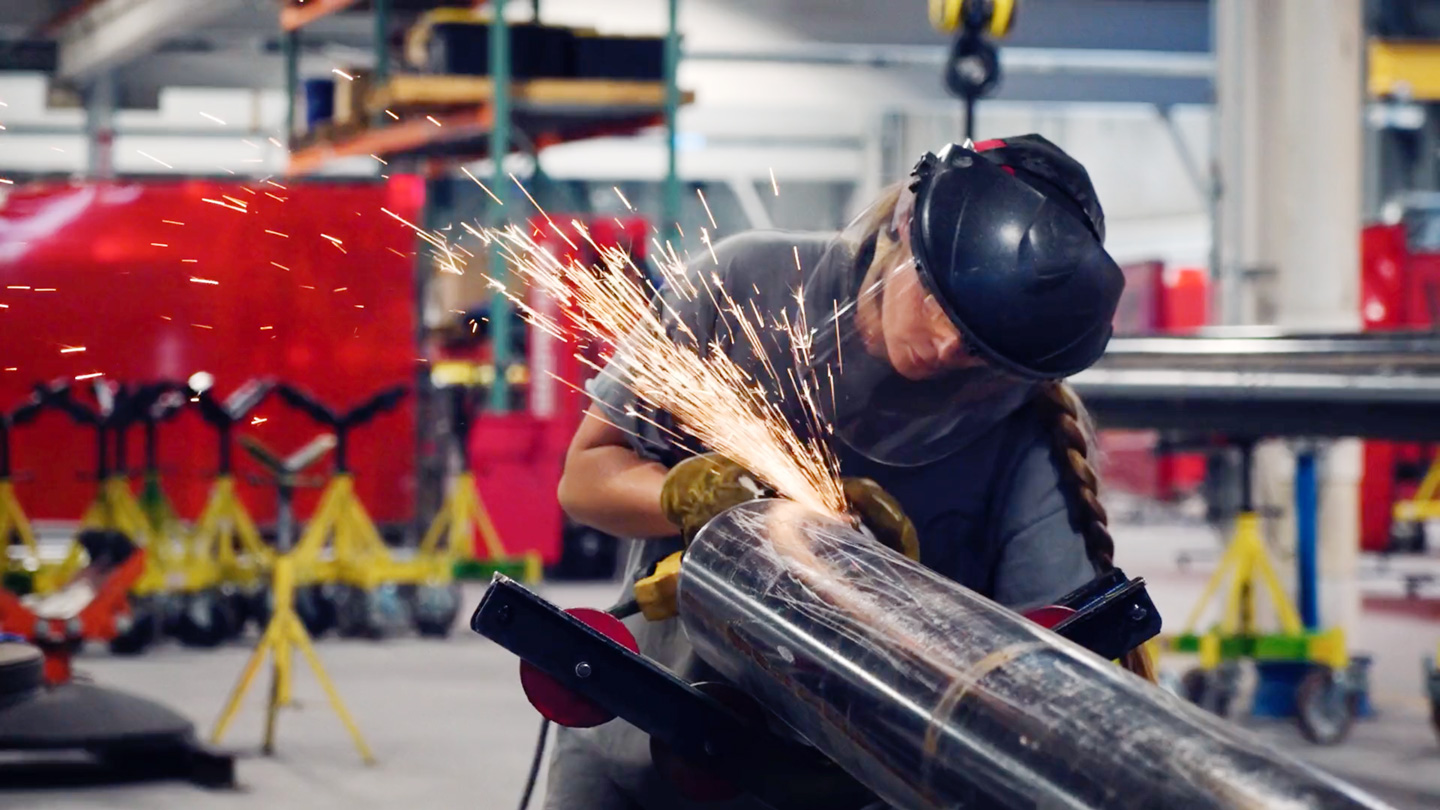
x,y
935,697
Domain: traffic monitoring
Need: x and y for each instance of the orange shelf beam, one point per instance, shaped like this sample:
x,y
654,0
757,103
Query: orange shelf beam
x,y
389,140
293,18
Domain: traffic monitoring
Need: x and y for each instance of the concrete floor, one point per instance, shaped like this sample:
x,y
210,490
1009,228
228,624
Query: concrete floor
x,y
451,728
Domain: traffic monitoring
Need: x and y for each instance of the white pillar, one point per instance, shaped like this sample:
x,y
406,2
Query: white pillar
x,y
1289,105
100,125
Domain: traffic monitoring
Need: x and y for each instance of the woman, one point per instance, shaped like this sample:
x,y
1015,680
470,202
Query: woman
x,y
939,326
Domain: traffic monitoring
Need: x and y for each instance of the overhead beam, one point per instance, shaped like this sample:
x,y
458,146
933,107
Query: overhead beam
x,y
110,33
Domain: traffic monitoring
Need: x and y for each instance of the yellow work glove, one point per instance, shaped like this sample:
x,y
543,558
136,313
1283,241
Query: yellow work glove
x,y
882,515
701,487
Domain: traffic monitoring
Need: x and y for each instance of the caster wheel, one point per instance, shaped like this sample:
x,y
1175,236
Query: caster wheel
x,y
237,607
315,605
354,615
389,609
1324,707
257,606
140,628
1208,690
206,620
435,608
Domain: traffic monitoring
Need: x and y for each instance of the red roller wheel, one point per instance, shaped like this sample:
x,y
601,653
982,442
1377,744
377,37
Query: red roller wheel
x,y
1050,615
556,702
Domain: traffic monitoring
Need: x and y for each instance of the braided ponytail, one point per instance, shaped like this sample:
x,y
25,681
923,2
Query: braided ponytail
x,y
1073,443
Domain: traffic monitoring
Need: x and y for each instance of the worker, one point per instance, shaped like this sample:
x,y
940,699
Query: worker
x,y
946,314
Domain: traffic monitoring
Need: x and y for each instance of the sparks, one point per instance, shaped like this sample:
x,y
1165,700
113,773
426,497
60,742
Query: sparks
x,y
773,183
223,204
12,368
383,162
236,200
199,280
332,239
213,118
481,185
281,266
707,208
259,420
158,244
277,233
44,289
201,326
796,248
340,289
621,195
392,114
275,197
708,393
171,222
5,181
72,349
263,328
152,157
189,261
342,74
17,287
275,142
89,376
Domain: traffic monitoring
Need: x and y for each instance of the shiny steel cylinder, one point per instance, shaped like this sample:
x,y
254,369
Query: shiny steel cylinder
x,y
935,697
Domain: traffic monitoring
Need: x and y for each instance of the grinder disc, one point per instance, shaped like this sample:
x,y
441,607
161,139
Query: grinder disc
x,y
554,700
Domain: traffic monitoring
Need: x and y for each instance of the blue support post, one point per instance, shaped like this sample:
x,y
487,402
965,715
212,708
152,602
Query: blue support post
x,y
1307,540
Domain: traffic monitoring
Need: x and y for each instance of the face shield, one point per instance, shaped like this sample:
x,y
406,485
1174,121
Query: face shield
x,y
896,380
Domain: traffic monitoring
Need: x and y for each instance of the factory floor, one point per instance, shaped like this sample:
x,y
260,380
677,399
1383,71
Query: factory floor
x,y
452,730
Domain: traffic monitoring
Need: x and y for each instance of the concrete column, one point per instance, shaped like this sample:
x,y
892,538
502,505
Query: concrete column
x,y
1289,107
100,125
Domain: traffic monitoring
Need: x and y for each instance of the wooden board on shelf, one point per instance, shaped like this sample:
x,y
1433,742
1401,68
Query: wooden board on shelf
x,y
428,91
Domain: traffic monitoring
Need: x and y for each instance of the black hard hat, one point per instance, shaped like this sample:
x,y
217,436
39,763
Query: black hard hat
x,y
1009,236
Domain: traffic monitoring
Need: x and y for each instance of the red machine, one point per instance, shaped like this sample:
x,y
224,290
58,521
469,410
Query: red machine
x,y
308,282
1399,289
518,457
1157,301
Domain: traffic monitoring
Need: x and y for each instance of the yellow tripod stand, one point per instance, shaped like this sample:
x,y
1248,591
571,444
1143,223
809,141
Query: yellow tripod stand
x,y
1325,699
13,522
283,635
358,554
226,546
462,513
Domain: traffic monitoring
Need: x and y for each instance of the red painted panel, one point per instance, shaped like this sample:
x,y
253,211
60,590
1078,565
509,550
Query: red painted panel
x,y
334,315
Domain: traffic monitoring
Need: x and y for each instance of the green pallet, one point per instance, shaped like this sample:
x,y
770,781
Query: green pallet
x,y
1277,647
483,570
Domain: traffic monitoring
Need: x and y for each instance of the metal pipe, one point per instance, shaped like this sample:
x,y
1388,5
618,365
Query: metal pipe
x,y
935,697
1172,64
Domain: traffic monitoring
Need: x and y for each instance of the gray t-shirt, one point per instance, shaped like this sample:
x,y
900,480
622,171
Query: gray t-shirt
x,y
993,516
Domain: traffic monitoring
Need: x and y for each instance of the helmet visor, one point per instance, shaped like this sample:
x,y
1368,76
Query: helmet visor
x,y
897,381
